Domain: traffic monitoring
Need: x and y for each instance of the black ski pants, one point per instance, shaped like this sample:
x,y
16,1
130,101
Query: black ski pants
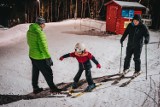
x,y
137,53
41,65
87,74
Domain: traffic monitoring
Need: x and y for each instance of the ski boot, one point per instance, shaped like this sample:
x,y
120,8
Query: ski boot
x,y
90,88
136,73
124,72
37,90
74,85
55,90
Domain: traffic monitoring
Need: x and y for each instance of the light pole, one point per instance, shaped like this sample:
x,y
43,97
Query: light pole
x,y
38,7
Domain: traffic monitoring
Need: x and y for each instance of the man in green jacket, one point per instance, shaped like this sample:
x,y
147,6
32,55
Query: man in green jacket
x,y
39,55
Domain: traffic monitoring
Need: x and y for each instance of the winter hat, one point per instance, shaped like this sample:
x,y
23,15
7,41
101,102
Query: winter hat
x,y
40,20
137,17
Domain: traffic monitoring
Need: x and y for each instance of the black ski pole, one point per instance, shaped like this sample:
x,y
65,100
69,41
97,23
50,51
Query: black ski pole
x,y
146,58
159,43
120,59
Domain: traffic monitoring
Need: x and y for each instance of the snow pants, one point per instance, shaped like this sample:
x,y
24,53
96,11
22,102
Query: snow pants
x,y
137,53
41,65
87,74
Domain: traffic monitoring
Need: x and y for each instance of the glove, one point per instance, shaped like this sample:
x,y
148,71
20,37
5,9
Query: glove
x,y
49,62
61,58
98,66
145,41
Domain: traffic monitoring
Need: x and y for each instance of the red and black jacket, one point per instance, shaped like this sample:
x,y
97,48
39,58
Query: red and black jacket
x,y
83,59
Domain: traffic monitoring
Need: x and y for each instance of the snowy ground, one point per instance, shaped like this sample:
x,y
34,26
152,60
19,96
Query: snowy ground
x,y
15,68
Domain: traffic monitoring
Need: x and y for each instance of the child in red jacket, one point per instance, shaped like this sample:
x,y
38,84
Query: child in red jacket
x,y
83,57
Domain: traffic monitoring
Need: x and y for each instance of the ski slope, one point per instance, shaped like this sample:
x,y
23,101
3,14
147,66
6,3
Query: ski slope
x,y
15,67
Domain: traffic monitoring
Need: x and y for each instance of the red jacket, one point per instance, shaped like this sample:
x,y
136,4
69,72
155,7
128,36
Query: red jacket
x,y
83,59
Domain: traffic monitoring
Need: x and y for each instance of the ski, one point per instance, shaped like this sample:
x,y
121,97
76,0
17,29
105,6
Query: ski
x,y
72,91
60,95
75,95
67,93
120,77
129,81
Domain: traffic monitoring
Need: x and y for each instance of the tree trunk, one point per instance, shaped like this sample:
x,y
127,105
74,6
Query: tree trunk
x,y
56,10
51,11
76,9
48,11
71,7
89,10
82,10
59,4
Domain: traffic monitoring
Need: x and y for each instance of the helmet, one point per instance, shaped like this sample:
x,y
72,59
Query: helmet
x,y
40,20
80,47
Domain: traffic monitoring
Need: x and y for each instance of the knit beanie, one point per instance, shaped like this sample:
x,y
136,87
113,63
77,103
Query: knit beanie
x,y
40,20
137,17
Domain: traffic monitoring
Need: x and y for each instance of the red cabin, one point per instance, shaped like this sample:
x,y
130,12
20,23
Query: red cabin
x,y
120,13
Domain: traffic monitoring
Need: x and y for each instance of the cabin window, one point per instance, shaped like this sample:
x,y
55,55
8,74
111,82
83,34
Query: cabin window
x,y
127,13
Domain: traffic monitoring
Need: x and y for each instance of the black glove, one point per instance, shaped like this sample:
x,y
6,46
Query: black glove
x,y
145,41
49,62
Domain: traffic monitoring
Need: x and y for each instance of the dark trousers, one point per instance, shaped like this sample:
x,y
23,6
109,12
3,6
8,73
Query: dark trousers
x,y
87,74
137,53
41,65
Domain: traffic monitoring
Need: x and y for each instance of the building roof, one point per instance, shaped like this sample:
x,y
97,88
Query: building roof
x,y
127,4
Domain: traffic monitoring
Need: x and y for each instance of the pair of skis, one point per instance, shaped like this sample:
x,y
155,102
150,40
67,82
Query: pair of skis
x,y
73,93
124,76
128,81
120,77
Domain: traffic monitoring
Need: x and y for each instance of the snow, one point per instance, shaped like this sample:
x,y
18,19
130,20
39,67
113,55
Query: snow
x,y
15,67
129,4
14,34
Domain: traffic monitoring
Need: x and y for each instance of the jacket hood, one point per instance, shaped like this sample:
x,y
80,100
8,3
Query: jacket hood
x,y
138,18
34,26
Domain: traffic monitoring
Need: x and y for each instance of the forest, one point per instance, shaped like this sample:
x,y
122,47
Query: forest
x,y
57,10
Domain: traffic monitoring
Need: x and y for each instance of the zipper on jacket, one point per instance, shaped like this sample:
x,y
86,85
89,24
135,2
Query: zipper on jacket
x,y
82,64
134,35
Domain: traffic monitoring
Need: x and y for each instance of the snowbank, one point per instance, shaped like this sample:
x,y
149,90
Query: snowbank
x,y
13,34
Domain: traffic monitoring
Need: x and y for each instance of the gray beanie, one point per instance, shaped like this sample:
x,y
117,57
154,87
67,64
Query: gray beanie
x,y
40,20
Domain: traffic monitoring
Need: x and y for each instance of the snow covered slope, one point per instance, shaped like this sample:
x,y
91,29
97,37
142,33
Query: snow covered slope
x,y
15,68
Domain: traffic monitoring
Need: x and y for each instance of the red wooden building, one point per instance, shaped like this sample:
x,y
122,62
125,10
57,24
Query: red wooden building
x,y
120,13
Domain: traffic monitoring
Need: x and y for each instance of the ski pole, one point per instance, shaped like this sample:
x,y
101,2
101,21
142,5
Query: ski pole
x,y
146,59
159,43
120,59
